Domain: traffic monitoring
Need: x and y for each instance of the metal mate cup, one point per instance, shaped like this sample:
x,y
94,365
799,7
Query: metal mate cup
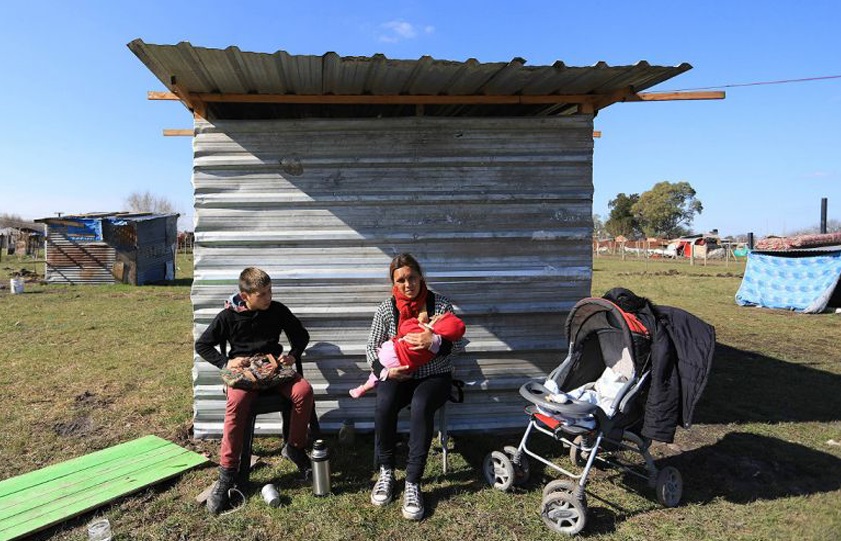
x,y
270,495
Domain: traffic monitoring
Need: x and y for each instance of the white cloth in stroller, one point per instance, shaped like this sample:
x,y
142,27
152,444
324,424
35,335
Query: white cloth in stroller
x,y
602,393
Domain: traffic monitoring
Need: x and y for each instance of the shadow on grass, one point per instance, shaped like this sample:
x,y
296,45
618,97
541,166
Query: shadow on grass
x,y
743,467
745,386
740,468
180,282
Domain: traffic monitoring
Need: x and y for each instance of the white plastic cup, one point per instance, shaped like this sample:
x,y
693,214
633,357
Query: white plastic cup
x,y
270,495
16,286
99,530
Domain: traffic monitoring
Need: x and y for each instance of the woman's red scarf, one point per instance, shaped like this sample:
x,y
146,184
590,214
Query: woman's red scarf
x,y
409,308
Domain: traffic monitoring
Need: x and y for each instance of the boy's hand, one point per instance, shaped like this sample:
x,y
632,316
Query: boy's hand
x,y
238,362
286,360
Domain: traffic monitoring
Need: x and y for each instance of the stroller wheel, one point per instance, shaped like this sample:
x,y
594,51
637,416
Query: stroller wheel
x,y
564,513
564,485
499,472
558,485
576,455
521,465
669,486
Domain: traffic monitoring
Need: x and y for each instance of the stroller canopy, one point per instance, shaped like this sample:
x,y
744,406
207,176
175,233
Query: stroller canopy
x,y
602,335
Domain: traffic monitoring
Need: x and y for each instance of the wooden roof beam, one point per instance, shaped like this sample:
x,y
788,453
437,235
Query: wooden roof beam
x,y
187,132
671,96
629,95
190,100
196,101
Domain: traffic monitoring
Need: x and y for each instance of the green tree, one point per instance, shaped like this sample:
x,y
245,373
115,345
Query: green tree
x,y
621,220
667,209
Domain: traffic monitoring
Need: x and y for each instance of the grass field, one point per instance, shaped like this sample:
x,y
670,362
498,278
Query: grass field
x,y
86,367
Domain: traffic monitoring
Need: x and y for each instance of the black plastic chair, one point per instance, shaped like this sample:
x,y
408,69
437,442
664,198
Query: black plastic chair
x,y
269,401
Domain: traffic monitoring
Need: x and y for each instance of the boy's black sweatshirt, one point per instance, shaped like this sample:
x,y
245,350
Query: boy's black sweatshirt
x,y
250,332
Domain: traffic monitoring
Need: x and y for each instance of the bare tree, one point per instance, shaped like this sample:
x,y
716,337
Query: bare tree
x,y
10,220
147,202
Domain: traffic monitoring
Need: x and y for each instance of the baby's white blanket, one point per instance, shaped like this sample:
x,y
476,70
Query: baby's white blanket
x,y
602,394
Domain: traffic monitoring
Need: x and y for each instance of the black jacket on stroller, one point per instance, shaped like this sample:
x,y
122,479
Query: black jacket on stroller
x,y
682,348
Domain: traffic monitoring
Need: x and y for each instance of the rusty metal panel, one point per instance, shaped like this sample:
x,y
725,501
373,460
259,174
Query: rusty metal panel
x,y
498,211
78,262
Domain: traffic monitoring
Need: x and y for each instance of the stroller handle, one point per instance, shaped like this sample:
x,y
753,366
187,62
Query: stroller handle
x,y
536,392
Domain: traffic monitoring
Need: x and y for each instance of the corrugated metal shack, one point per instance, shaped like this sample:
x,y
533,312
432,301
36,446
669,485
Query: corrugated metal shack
x,y
320,169
111,248
21,240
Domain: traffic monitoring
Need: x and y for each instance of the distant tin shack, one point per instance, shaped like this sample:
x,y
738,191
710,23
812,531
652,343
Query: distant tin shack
x,y
111,248
320,169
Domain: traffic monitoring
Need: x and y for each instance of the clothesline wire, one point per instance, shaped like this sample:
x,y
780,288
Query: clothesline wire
x,y
758,83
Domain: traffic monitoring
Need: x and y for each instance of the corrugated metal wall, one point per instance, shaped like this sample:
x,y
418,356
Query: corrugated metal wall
x,y
78,262
497,210
156,246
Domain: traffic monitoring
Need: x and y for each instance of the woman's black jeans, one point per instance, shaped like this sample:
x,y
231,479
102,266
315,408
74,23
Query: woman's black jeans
x,y
424,396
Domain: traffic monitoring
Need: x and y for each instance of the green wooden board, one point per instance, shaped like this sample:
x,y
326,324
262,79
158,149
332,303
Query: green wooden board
x,y
36,500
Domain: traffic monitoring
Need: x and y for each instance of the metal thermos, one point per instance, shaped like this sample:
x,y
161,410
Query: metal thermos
x,y
320,469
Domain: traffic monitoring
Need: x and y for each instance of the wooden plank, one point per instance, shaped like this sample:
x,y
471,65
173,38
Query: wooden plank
x,y
68,486
382,99
118,452
179,132
671,96
45,497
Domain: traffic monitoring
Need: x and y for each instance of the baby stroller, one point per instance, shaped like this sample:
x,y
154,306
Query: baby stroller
x,y
593,403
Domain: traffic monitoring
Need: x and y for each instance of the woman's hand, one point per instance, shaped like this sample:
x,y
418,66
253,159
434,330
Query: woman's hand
x,y
399,373
419,340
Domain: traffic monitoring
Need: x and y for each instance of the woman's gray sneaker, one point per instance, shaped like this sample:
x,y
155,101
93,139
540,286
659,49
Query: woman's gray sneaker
x,y
412,502
384,488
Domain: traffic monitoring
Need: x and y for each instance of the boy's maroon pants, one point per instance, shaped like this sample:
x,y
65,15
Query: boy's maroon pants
x,y
238,410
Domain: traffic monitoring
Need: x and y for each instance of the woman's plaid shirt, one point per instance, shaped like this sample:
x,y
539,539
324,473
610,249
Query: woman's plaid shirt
x,y
384,327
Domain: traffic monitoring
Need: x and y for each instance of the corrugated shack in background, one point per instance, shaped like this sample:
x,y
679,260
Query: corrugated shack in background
x,y
21,240
320,169
111,248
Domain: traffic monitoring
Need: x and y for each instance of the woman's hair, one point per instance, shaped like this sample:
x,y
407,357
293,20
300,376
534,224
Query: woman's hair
x,y
403,260
252,279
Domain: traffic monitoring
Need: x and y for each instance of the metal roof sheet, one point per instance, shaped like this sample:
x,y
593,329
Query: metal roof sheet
x,y
199,70
128,216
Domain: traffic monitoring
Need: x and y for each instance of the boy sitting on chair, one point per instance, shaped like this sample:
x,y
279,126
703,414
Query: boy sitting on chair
x,y
251,324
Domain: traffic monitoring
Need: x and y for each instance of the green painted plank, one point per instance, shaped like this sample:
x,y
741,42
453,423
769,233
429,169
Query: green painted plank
x,y
73,466
37,500
67,485
57,511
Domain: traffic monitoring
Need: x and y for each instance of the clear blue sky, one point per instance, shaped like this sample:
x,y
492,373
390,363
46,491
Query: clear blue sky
x,y
79,135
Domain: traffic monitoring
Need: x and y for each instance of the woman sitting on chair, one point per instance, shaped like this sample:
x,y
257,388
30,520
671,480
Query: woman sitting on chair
x,y
425,389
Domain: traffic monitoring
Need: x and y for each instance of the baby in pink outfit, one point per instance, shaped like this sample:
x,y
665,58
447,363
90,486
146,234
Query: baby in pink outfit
x,y
396,352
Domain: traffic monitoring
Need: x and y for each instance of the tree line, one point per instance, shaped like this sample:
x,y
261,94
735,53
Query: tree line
x,y
666,210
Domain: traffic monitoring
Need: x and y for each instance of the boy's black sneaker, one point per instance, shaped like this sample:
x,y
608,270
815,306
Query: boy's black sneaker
x,y
298,457
218,499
